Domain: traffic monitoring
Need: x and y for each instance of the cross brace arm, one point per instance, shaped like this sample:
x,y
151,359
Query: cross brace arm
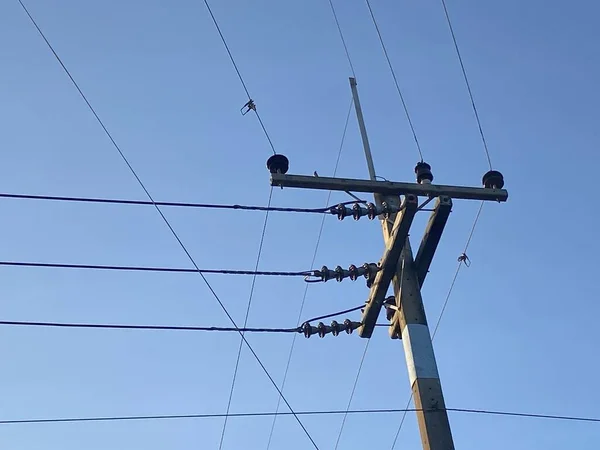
x,y
432,236
389,263
388,187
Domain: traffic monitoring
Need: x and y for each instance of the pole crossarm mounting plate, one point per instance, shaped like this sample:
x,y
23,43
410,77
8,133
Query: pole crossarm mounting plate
x,y
388,187
432,236
389,262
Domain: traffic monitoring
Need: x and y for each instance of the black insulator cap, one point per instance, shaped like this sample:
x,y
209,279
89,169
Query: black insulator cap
x,y
423,172
278,164
493,180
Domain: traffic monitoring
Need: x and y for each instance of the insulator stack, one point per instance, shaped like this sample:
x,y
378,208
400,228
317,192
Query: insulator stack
x,y
358,210
335,328
367,270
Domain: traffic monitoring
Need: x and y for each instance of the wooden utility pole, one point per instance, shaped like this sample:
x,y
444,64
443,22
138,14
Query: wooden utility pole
x,y
405,273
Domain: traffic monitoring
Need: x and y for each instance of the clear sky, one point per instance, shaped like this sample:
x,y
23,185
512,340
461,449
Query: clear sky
x,y
520,331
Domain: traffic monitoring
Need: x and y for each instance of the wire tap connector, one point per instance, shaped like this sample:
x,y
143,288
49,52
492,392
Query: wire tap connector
x,y
249,106
463,258
335,328
367,270
370,210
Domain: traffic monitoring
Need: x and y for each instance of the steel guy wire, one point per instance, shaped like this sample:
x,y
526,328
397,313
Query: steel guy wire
x,y
299,413
173,204
404,106
339,28
466,78
445,304
314,257
239,352
239,74
165,220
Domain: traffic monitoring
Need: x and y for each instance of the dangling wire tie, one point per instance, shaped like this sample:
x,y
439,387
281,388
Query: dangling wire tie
x,y
249,106
464,259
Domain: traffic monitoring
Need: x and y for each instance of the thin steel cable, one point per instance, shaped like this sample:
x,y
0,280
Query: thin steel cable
x,y
464,72
239,352
410,123
445,304
314,257
165,220
155,269
337,23
362,360
325,210
299,413
146,327
239,74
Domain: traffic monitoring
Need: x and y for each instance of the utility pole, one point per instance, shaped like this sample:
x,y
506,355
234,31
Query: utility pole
x,y
396,204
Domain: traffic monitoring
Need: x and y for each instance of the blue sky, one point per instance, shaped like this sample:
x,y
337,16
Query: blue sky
x,y
520,331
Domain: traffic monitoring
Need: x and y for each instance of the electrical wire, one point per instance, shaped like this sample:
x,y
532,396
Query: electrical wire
x,y
314,257
239,74
173,204
245,329
410,123
466,78
362,360
360,369
339,28
445,304
165,220
146,327
299,413
239,352
156,269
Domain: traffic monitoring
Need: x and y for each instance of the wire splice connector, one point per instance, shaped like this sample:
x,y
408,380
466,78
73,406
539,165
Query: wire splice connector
x,y
369,210
367,270
335,328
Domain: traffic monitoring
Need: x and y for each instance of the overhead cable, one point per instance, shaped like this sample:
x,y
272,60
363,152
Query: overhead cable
x,y
304,273
165,220
393,72
250,104
299,413
329,209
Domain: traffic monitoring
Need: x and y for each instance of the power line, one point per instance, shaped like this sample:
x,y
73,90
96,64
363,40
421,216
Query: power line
x,y
244,329
337,23
410,123
464,72
314,257
298,413
165,220
173,204
445,304
239,74
147,327
239,352
362,360
156,269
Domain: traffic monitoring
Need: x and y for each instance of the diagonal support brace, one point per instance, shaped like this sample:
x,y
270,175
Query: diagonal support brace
x,y
389,262
432,236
